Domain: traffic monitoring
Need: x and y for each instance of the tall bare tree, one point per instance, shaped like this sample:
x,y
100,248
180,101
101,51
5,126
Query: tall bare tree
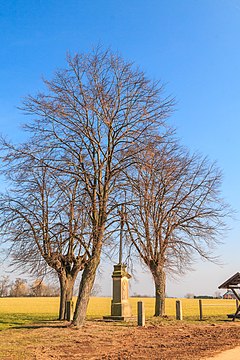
x,y
44,219
4,286
19,288
175,211
93,115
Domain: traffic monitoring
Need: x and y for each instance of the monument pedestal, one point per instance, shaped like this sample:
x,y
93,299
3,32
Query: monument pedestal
x,y
120,307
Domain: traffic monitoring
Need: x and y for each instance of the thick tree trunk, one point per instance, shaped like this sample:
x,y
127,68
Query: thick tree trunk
x,y
66,292
160,286
85,289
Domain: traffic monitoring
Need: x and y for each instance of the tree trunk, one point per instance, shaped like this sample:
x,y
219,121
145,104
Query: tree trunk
x,y
85,288
160,286
66,293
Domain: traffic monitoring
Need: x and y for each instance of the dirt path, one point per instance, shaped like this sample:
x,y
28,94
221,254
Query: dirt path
x,y
112,341
233,354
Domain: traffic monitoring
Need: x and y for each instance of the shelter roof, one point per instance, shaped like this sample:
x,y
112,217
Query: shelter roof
x,y
232,283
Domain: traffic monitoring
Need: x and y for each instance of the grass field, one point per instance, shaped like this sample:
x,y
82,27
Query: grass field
x,y
16,312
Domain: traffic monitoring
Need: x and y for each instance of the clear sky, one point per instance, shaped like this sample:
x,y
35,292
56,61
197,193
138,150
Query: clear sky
x,y
193,46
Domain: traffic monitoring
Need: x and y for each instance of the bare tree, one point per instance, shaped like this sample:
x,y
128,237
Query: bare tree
x,y
189,296
92,116
4,286
19,288
43,217
38,288
175,211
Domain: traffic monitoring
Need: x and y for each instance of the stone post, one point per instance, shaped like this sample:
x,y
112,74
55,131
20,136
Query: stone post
x,y
69,310
200,310
178,310
141,313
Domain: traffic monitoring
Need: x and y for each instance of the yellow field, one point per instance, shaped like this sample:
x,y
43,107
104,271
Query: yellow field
x,y
99,307
190,307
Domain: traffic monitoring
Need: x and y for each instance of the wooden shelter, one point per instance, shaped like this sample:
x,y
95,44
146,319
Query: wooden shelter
x,y
233,283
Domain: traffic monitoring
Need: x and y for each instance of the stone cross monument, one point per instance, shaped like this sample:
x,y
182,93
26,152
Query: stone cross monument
x,y
120,307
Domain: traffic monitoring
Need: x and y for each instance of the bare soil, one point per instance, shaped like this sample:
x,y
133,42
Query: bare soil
x,y
115,341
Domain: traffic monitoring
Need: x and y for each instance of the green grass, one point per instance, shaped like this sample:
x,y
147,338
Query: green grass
x,y
15,312
22,319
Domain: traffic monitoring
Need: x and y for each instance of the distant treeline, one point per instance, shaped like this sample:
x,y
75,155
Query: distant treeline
x,y
204,297
21,288
38,288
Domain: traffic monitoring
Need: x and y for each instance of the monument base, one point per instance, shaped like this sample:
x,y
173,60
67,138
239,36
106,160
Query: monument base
x,y
118,318
122,309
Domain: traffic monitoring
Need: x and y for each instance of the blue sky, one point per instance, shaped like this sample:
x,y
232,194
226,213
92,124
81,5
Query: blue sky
x,y
190,45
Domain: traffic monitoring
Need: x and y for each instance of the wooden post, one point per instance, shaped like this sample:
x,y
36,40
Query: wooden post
x,y
141,313
179,310
69,310
200,310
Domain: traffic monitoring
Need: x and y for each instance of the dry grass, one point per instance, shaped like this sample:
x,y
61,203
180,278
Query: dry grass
x,y
20,311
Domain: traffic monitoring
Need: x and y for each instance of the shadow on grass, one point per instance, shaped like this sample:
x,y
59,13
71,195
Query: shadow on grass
x,y
56,324
15,321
